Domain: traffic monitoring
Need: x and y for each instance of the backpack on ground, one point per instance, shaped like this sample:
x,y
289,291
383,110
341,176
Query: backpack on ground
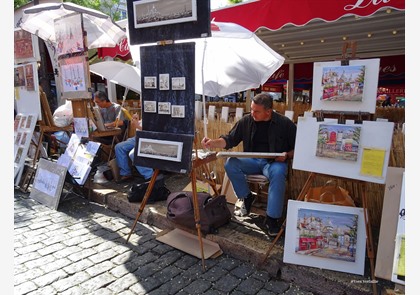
x,y
159,193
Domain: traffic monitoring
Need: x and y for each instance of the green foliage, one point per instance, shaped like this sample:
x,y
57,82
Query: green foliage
x,y
19,3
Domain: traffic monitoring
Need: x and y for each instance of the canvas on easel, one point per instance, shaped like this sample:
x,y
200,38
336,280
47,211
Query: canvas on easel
x,y
325,236
351,87
48,183
327,147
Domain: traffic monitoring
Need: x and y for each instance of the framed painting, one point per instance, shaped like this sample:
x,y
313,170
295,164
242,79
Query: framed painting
x,y
75,77
165,151
152,13
178,111
325,236
149,106
350,88
150,82
69,34
25,46
160,149
19,77
163,81
164,108
48,183
178,83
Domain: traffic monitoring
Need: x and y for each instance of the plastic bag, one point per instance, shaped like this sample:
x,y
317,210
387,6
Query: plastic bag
x,y
63,115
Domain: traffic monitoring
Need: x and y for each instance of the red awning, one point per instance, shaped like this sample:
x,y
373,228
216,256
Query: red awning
x,y
122,50
274,14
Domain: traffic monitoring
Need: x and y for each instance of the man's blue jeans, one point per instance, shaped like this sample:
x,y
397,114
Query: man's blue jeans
x,y
276,172
124,153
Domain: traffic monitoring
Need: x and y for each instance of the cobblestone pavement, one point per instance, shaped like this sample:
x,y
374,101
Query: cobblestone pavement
x,y
81,248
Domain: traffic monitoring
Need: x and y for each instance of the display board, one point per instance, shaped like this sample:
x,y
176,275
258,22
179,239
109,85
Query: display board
x,y
351,88
168,106
152,21
355,151
389,223
339,246
27,89
24,126
398,269
48,183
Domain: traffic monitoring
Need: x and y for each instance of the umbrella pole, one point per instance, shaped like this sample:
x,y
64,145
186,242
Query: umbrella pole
x,y
122,105
203,95
205,121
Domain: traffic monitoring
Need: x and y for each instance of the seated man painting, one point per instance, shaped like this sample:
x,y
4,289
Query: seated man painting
x,y
110,112
261,131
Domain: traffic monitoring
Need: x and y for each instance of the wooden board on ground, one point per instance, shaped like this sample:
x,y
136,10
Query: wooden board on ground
x,y
189,243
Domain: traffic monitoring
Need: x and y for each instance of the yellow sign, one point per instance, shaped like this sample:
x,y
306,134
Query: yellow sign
x,y
373,162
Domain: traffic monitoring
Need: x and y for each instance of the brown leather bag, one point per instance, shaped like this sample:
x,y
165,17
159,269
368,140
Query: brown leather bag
x,y
329,193
214,211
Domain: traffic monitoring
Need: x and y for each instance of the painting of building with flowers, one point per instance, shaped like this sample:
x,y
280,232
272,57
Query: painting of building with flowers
x,y
327,234
343,83
338,141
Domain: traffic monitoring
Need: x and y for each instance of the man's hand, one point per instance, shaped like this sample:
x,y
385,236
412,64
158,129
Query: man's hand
x,y
205,142
135,121
281,158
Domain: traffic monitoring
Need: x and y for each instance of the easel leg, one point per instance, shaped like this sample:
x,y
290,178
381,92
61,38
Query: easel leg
x,y
197,215
369,240
210,180
144,201
301,197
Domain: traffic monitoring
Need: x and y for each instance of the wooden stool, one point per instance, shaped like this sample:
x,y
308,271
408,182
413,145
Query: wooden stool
x,y
258,184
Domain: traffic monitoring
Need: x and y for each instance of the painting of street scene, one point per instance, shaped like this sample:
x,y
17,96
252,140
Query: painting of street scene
x,y
343,83
160,149
327,234
338,141
148,13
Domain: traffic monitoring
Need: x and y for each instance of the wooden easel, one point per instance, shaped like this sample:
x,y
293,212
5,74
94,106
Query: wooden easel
x,y
196,163
369,241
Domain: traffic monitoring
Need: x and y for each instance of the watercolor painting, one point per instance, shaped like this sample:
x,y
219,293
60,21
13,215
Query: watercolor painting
x,y
343,83
325,236
338,141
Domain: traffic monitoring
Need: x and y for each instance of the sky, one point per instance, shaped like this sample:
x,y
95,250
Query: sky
x,y
217,3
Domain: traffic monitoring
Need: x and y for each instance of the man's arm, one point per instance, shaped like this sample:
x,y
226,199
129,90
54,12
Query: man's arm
x,y
208,143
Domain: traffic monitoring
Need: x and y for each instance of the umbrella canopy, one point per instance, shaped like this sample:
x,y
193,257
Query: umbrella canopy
x,y
233,59
119,73
101,31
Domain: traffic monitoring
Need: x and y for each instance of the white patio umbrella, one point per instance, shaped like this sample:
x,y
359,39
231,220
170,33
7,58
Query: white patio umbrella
x,y
101,31
118,73
233,59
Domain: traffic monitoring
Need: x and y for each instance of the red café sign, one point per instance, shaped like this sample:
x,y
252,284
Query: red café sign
x,y
122,49
265,13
